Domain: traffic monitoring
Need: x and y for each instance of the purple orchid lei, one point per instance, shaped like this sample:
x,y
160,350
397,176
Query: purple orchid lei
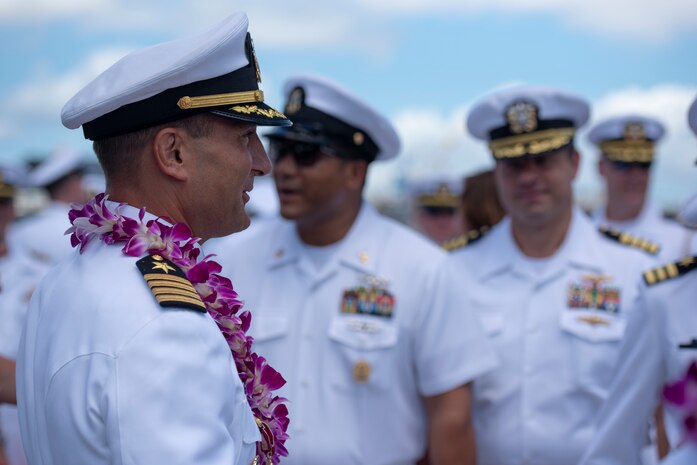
x,y
95,220
682,395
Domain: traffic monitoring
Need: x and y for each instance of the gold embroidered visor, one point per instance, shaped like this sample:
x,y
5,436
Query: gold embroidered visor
x,y
531,143
628,151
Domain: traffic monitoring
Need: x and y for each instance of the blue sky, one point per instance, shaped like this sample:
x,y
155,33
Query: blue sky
x,y
423,62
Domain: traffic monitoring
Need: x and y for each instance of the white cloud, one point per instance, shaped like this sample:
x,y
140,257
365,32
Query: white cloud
x,y
45,96
37,10
357,24
650,20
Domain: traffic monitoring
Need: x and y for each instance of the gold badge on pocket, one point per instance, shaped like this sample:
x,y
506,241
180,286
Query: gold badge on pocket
x,y
362,371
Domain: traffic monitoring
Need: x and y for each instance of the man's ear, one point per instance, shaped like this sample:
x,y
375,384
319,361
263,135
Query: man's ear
x,y
169,152
357,172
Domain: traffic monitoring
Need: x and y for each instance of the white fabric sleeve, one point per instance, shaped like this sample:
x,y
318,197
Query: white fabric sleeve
x,y
171,396
634,395
451,346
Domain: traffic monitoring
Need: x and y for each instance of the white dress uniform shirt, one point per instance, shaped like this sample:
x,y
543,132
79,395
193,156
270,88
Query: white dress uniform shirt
x,y
661,342
107,376
355,380
557,353
673,238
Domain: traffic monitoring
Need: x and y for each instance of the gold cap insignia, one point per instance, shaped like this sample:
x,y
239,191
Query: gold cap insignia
x,y
295,101
634,132
358,138
253,57
522,117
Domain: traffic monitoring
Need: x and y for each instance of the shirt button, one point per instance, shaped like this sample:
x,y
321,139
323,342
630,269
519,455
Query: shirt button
x,y
304,383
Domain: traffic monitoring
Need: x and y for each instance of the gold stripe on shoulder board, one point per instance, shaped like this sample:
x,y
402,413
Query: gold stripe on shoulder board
x,y
670,271
169,283
630,240
465,239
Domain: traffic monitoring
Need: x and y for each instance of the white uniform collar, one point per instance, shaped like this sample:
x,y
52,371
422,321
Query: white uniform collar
x,y
133,212
648,211
499,252
358,249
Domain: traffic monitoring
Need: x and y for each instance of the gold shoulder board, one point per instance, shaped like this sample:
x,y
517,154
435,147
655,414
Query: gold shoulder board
x,y
630,240
670,271
169,284
465,239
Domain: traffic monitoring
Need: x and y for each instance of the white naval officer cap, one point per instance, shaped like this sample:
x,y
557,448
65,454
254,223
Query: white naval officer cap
x,y
527,120
692,116
627,139
689,210
324,113
60,163
437,192
214,72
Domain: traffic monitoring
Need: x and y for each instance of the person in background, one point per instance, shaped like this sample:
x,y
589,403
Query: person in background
x,y
661,344
437,208
9,434
482,208
627,146
348,303
552,292
36,243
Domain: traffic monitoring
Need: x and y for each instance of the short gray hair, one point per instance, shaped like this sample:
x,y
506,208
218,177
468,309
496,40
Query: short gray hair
x,y
120,156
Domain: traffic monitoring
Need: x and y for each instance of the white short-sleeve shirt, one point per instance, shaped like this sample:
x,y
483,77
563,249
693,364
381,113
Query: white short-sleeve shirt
x,y
661,342
107,376
557,330
361,341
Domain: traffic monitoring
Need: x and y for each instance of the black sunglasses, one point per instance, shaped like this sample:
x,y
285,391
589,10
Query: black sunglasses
x,y
438,211
304,154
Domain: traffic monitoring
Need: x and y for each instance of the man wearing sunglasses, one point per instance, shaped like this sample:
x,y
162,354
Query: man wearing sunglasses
x,y
347,303
627,147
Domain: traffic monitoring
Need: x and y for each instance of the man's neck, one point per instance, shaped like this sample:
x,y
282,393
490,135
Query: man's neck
x,y
153,204
619,211
328,230
543,239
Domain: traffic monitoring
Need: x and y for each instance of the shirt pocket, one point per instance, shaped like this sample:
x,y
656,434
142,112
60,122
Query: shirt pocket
x,y
594,344
366,348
